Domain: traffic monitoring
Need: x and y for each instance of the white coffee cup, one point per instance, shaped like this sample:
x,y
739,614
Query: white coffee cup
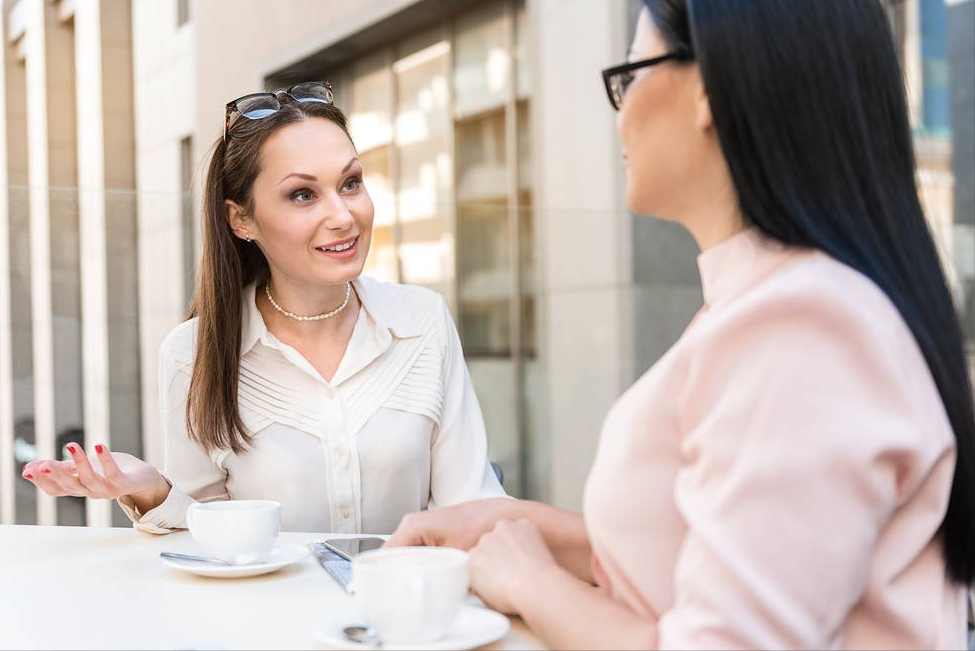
x,y
236,531
410,595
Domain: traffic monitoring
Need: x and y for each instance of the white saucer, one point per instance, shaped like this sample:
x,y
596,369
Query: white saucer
x,y
280,556
474,627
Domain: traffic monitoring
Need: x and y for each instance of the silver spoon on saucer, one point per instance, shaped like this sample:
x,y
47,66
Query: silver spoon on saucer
x,y
363,635
195,559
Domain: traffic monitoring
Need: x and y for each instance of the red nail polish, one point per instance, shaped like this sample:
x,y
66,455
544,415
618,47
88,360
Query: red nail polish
x,y
99,448
46,471
27,475
70,447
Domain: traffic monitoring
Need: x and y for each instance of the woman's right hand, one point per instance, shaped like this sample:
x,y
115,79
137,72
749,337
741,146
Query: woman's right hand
x,y
460,525
107,475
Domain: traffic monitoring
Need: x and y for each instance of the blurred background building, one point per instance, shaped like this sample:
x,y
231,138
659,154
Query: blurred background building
x,y
490,152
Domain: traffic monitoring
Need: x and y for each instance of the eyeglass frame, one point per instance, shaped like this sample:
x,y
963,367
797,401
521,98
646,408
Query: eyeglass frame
x,y
231,106
609,73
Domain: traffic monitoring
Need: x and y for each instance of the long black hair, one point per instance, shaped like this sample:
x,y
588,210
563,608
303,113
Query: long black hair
x,y
808,103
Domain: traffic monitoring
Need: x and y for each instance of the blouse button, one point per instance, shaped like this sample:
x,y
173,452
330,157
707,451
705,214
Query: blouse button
x,y
345,514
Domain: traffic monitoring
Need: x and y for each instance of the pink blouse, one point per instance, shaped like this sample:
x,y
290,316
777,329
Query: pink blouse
x,y
777,479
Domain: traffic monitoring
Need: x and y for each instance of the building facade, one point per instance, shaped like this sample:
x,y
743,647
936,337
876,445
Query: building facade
x,y
491,155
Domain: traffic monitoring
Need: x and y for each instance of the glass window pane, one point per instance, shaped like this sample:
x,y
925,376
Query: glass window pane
x,y
370,117
341,93
526,234
25,444
484,270
483,259
482,65
188,222
522,66
381,262
425,172
481,168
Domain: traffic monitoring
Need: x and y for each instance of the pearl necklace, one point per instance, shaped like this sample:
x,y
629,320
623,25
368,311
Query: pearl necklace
x,y
313,317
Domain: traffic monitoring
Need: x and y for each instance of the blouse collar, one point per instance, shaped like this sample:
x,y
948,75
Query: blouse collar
x,y
738,263
384,307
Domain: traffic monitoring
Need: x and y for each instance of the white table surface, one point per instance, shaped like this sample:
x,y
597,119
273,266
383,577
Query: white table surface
x,y
107,588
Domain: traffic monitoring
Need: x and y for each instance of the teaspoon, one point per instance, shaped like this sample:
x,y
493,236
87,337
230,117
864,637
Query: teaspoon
x,y
196,559
363,635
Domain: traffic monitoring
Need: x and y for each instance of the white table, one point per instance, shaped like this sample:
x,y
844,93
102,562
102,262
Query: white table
x,y
107,588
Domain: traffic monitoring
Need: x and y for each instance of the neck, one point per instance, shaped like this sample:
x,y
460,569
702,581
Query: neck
x,y
714,229
300,316
712,214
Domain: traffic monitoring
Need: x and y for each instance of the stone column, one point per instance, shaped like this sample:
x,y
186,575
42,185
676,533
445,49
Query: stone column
x,y
7,478
583,232
106,206
165,70
52,179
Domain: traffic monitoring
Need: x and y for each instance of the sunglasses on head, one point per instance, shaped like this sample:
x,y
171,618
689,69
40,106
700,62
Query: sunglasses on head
x,y
260,105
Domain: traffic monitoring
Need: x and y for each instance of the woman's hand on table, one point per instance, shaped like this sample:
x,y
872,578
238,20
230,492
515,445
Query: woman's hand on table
x,y
106,475
506,560
460,525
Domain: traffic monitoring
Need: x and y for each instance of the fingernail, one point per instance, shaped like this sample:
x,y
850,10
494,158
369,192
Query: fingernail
x,y
27,475
99,448
46,471
70,447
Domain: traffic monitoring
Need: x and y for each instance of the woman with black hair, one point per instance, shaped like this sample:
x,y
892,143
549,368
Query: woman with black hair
x,y
798,470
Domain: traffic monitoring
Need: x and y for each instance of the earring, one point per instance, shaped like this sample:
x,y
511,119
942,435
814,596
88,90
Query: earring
x,y
248,238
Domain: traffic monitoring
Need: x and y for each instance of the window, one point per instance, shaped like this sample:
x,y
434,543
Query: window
x,y
934,40
494,225
182,12
187,218
441,120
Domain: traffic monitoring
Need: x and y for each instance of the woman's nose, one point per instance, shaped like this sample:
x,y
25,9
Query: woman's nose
x,y
339,217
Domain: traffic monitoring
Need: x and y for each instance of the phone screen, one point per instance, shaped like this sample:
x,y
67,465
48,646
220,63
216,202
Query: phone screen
x,y
349,547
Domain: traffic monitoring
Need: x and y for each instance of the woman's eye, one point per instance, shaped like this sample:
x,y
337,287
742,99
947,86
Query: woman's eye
x,y
302,196
626,79
352,184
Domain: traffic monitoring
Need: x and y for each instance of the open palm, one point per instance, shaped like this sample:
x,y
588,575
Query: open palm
x,y
106,475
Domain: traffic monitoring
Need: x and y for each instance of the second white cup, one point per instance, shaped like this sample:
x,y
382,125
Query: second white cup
x,y
410,595
236,531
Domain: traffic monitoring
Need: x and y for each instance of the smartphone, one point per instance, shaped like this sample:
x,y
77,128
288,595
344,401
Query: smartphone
x,y
349,547
335,555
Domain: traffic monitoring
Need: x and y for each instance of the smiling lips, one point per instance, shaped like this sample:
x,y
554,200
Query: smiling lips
x,y
341,249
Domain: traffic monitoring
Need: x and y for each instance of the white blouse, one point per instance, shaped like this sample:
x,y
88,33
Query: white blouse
x,y
397,429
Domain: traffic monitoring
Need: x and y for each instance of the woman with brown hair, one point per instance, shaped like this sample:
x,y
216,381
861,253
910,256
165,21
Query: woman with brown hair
x,y
296,378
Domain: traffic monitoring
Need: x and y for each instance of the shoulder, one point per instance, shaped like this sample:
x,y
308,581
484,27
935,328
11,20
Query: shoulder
x,y
180,344
404,307
815,359
816,333
411,296
818,296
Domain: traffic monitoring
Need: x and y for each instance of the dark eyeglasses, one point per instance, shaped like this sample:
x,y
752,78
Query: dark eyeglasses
x,y
618,78
260,105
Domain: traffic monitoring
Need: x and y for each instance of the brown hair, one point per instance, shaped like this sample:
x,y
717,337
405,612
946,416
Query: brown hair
x,y
228,265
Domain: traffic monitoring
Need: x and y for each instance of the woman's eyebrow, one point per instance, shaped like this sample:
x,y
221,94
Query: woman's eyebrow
x,y
312,177
300,175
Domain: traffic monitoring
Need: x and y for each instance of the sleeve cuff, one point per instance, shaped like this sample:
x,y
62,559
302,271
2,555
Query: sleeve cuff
x,y
165,518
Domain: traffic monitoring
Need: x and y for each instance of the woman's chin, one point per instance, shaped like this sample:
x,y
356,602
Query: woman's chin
x,y
640,205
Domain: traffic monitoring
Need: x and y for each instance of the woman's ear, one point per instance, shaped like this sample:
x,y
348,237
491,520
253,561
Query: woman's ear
x,y
237,220
702,105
